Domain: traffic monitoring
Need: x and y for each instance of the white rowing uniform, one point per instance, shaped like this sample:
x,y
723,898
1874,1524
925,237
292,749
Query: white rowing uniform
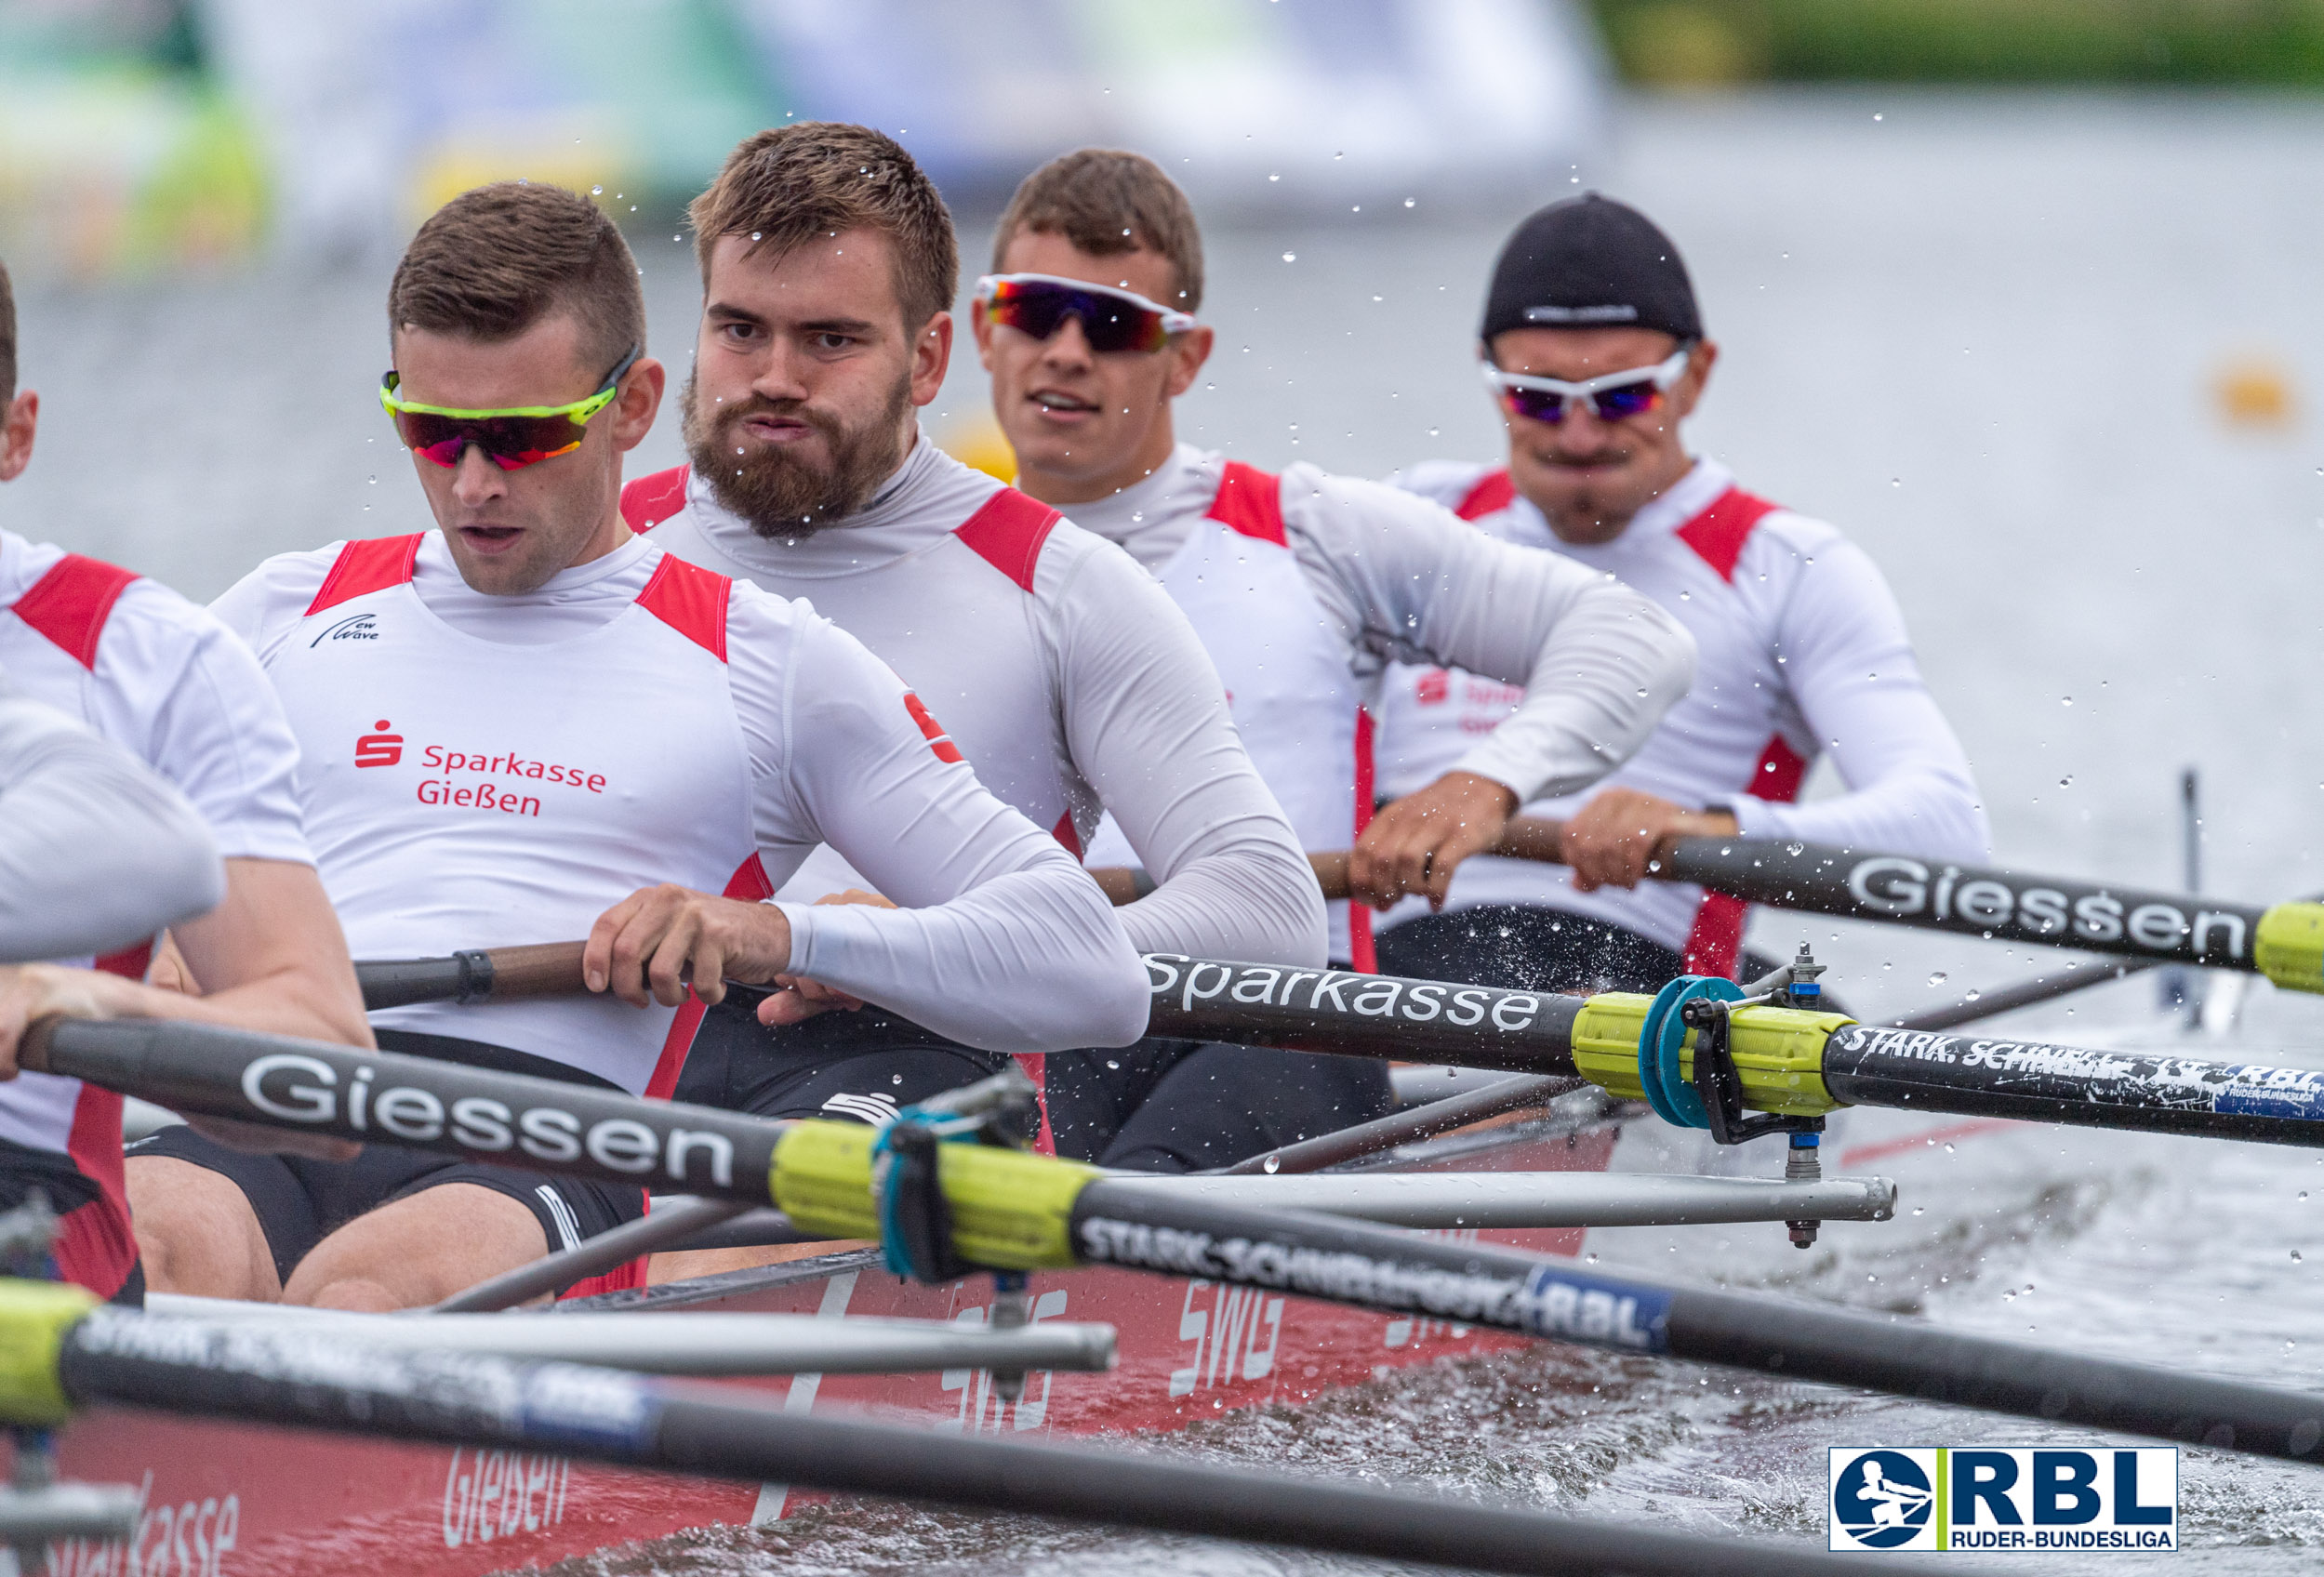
x,y
1064,674
97,850
141,667
1304,587
1802,650
483,770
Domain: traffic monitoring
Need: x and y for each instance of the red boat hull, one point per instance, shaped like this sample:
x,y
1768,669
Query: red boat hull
x,y
254,1500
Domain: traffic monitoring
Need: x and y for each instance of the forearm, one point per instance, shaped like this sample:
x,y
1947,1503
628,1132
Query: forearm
x,y
1599,681
272,956
1926,809
1028,961
1254,900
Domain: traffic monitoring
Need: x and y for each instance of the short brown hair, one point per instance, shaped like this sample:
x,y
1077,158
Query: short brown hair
x,y
819,177
7,338
1107,201
493,262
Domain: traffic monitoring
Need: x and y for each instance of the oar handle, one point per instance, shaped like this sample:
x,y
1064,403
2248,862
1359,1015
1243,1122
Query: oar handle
x,y
485,974
33,1046
545,969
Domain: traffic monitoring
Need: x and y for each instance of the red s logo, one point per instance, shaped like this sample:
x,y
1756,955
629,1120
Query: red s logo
x,y
1432,688
939,741
379,749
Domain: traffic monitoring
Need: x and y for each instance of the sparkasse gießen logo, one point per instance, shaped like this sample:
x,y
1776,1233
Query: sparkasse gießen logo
x,y
2004,1498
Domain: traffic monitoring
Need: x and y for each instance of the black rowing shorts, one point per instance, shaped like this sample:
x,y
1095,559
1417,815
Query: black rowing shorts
x,y
1170,1105
854,1067
299,1202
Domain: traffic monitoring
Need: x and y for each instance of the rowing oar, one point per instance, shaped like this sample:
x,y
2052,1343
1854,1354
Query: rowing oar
x,y
1791,1063
1007,1210
63,1354
2284,942
1786,1061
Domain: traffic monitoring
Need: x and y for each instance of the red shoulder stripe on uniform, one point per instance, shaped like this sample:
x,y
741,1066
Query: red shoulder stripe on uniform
x,y
71,604
690,599
365,567
1493,493
1719,533
1007,532
1066,833
650,500
1250,501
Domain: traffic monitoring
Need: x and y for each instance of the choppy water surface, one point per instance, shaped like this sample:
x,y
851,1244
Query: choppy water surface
x,y
1982,336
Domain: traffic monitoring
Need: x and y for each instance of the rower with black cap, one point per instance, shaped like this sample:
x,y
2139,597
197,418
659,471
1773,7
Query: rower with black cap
x,y
1303,587
1593,348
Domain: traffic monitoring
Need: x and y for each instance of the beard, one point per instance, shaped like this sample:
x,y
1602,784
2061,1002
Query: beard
x,y
777,493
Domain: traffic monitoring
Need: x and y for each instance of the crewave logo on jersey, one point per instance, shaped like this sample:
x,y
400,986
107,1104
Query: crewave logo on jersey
x,y
2004,1498
381,748
362,627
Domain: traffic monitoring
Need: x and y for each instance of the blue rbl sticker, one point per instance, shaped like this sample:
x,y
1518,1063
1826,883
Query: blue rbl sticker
x,y
2004,1498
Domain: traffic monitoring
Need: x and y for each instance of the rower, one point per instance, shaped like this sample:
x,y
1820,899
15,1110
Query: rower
x,y
531,724
1594,351
1302,585
139,665
98,851
1065,675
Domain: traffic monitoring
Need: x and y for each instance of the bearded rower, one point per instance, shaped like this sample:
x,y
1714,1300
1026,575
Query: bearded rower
x,y
139,665
531,724
1593,349
1301,586
1066,677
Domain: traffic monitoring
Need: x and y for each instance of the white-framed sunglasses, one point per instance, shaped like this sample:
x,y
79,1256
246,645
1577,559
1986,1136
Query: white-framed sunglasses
x,y
1612,396
1038,304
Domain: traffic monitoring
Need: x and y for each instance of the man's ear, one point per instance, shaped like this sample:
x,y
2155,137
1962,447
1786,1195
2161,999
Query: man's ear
x,y
638,403
1187,352
20,419
1689,389
980,329
932,353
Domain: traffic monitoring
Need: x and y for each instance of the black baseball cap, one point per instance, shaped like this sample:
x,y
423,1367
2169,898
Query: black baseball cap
x,y
1591,262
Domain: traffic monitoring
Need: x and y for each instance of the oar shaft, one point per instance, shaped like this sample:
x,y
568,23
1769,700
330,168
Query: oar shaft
x,y
1405,1127
419,1103
1482,1284
323,1381
1373,1016
1980,1075
2005,906
1990,1004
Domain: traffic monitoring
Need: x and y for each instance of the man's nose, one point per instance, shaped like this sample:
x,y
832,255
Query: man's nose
x,y
1068,347
779,376
476,478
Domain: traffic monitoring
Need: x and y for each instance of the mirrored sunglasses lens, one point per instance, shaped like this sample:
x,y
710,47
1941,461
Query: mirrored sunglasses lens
x,y
1029,309
1537,405
1628,399
1117,326
511,443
